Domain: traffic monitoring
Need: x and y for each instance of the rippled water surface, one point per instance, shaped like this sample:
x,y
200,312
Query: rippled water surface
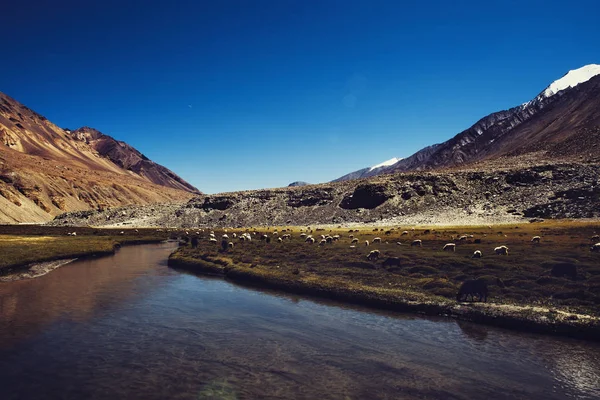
x,y
127,326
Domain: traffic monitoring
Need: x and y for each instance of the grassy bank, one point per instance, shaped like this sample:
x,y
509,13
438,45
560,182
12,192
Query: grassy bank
x,y
22,245
524,293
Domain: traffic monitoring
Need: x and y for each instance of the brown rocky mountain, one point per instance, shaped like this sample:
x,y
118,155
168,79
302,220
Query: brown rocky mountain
x,y
561,124
46,170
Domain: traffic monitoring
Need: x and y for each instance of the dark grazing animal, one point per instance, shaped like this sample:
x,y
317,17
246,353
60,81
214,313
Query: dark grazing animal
x,y
472,288
391,261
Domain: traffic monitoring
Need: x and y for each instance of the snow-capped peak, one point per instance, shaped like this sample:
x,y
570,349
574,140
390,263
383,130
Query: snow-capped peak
x,y
572,79
387,163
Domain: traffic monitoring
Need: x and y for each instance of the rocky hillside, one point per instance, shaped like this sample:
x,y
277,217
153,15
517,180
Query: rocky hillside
x,y
465,197
561,123
46,170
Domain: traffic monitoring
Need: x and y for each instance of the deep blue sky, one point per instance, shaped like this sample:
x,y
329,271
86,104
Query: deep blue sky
x,y
248,94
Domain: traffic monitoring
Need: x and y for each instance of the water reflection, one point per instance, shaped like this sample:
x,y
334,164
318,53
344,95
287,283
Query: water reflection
x,y
151,332
473,331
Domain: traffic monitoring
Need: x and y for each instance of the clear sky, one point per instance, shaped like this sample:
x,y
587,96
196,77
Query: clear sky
x,y
249,94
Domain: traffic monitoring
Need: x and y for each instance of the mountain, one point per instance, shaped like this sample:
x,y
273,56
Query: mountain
x,y
130,159
298,183
46,170
562,123
369,171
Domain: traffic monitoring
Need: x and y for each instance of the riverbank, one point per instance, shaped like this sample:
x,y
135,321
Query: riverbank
x,y
525,292
32,251
523,318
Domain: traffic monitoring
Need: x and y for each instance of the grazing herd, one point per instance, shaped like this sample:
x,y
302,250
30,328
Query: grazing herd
x,y
473,289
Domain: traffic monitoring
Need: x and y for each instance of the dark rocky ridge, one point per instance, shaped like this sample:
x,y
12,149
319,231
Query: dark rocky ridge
x,y
563,126
464,197
128,158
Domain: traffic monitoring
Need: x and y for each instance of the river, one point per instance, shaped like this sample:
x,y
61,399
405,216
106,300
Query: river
x,y
128,326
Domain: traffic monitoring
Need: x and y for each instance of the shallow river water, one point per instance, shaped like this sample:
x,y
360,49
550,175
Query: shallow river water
x,y
127,326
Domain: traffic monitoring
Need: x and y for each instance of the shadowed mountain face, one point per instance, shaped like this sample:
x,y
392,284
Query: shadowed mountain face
x,y
46,170
558,125
130,159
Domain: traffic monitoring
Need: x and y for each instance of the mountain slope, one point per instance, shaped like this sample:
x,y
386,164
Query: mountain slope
x,y
561,123
369,171
130,159
46,170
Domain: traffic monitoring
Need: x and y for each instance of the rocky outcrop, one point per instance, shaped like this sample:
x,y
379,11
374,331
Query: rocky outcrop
x,y
465,197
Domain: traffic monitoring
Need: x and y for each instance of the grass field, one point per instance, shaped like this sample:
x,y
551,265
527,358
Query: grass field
x,y
24,244
524,277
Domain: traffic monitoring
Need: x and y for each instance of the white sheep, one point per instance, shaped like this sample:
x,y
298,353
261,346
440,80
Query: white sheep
x,y
417,242
355,240
322,242
212,240
477,254
366,242
404,233
279,240
536,239
310,240
449,247
222,237
501,250
377,240
230,244
595,248
373,255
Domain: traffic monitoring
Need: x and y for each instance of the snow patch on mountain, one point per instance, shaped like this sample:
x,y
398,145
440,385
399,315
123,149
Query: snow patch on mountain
x,y
387,163
572,79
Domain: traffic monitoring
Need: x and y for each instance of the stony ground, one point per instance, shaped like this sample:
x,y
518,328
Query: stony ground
x,y
468,197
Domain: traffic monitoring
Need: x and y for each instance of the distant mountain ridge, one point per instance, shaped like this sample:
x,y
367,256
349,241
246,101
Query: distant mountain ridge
x,y
368,171
561,121
46,170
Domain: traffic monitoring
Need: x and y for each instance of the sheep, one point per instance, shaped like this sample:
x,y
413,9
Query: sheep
x,y
212,240
463,238
595,238
595,248
352,247
449,247
242,238
377,240
230,244
222,237
501,250
355,240
391,261
310,240
286,236
234,235
336,237
279,240
404,233
477,254
366,242
417,242
212,235
264,237
373,255
536,239
471,288
303,235
322,242
328,239
351,236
